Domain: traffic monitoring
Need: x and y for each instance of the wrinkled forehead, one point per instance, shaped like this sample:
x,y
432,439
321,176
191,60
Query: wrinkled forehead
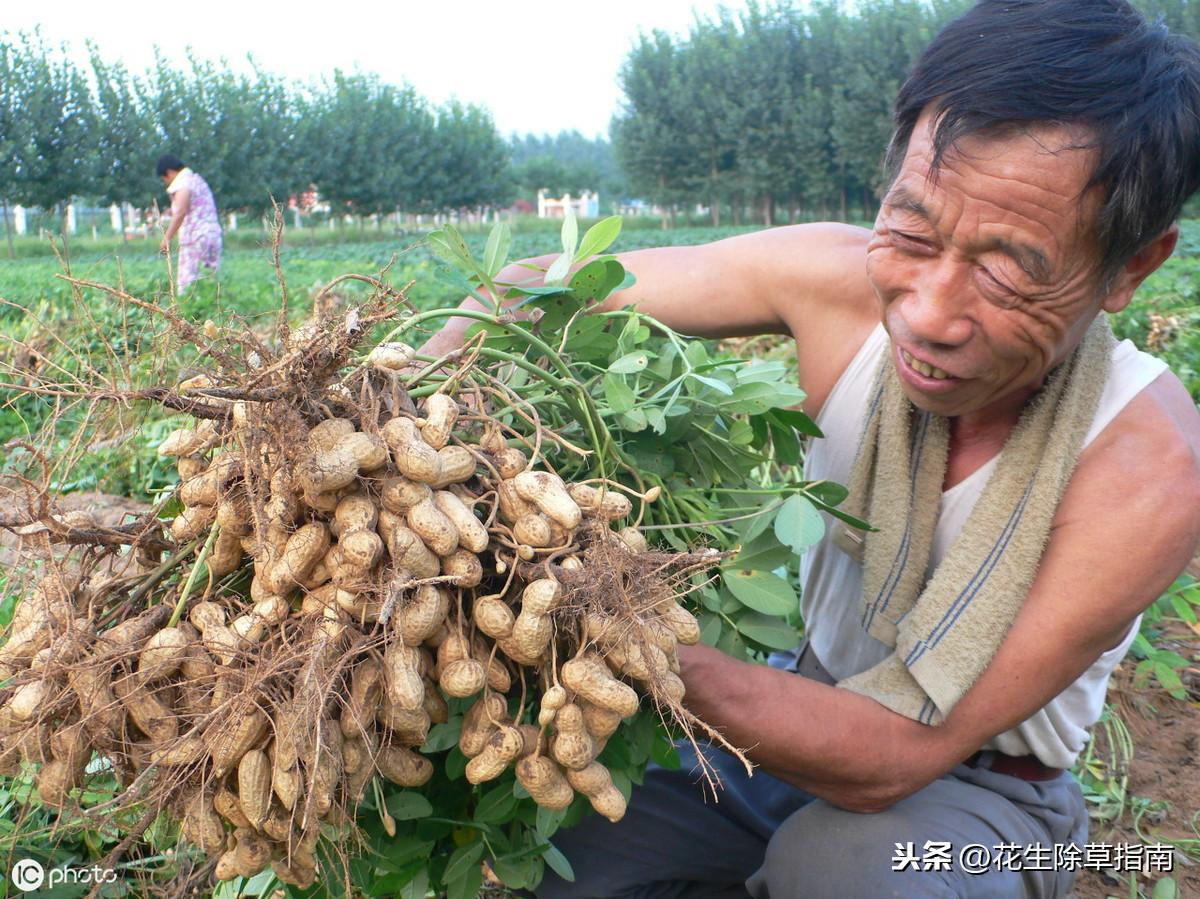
x,y
1062,156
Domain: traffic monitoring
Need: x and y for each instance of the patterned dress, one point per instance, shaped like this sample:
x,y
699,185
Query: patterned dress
x,y
200,235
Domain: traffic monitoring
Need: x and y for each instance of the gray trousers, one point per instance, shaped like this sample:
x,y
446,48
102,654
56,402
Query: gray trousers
x,y
766,839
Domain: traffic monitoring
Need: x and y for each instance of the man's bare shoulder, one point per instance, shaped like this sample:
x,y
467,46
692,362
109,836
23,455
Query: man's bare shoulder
x,y
1141,476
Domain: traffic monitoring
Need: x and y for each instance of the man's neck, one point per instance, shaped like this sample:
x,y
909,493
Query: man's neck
x,y
975,438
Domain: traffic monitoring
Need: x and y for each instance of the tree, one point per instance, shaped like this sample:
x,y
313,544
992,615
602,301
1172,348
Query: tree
x,y
369,144
124,144
48,133
647,132
469,162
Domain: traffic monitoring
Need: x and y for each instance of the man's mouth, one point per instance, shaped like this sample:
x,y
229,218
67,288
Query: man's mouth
x,y
924,368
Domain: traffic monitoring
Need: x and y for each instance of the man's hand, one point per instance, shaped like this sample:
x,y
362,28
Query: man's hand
x,y
164,246
859,755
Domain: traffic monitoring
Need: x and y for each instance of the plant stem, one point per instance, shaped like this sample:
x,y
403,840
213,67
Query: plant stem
x,y
191,578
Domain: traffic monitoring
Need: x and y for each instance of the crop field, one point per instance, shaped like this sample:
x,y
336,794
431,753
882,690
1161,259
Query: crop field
x,y
95,309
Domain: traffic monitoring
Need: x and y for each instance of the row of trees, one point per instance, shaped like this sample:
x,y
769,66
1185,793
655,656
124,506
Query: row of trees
x,y
368,147
781,107
775,112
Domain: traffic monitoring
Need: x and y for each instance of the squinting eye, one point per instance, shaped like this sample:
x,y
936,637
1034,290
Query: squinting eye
x,y
1001,294
911,240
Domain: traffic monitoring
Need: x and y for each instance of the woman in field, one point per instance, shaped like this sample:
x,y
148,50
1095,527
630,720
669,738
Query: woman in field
x,y
193,218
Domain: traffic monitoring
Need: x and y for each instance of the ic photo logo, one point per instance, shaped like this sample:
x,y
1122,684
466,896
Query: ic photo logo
x,y
28,875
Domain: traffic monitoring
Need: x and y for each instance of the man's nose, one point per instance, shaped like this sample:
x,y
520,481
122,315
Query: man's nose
x,y
936,310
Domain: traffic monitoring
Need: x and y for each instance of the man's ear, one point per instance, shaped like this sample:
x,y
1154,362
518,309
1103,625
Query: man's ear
x,y
1140,267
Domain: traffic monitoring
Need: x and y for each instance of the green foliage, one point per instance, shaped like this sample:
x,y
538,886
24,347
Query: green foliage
x,y
565,162
46,115
657,411
368,147
770,107
1157,659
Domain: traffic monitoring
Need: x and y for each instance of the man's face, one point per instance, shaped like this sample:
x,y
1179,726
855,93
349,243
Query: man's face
x,y
168,176
987,278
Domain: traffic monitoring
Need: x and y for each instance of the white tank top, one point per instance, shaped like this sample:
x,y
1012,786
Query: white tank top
x,y
832,581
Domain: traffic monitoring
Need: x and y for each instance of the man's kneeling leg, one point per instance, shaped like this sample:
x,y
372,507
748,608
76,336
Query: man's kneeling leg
x,y
823,852
675,841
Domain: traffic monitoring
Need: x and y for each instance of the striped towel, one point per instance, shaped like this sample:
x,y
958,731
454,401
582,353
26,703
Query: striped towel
x,y
946,630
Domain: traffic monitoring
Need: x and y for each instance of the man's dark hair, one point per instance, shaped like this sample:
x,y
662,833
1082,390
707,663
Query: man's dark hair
x,y
168,163
1005,64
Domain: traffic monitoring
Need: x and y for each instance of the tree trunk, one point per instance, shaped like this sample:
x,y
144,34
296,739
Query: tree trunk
x,y
8,231
769,210
843,204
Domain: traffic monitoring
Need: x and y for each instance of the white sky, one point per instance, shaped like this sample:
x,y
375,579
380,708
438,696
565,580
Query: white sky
x,y
540,66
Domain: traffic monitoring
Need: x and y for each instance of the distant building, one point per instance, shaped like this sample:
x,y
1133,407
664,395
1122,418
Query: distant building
x,y
585,206
638,207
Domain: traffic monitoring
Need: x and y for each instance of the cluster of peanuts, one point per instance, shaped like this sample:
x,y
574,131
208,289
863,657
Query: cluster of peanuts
x,y
403,543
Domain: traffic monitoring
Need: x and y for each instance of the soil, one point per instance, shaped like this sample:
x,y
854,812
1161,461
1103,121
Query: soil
x,y
1165,769
108,510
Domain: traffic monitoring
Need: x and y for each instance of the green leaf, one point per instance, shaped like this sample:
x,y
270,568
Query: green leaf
x,y
712,383
556,274
407,806
547,822
497,805
401,850
663,752
456,764
656,419
799,524
628,339
710,629
467,886
464,859
1183,609
797,419
570,234
828,492
787,444
759,397
599,237
634,420
762,591
443,736
558,863
1166,888
496,252
518,873
617,393
629,363
772,632
763,553
596,280
1169,678
448,243
732,644
418,887
767,370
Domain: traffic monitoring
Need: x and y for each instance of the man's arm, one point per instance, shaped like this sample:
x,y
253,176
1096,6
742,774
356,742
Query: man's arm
x,y
805,280
1128,524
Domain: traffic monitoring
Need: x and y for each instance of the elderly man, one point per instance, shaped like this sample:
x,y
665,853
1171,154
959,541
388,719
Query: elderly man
x,y
1034,485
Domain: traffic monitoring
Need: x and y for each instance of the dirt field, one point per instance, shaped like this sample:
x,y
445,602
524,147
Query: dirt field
x,y
1166,768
